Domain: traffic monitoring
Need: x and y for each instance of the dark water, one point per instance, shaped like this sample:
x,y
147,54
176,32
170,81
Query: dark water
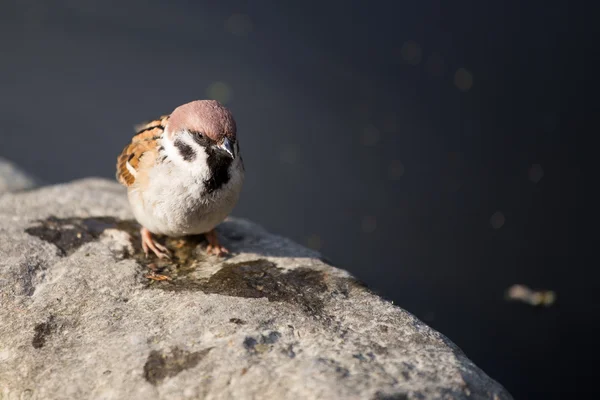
x,y
396,137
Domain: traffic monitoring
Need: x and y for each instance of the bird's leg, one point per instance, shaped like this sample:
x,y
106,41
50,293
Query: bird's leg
x,y
214,247
150,244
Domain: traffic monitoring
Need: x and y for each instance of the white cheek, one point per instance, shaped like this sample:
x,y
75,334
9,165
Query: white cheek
x,y
198,168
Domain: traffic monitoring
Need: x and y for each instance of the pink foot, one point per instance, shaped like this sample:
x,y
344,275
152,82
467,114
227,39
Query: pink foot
x,y
214,247
150,244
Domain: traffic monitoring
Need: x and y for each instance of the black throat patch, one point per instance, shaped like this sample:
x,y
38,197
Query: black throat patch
x,y
218,165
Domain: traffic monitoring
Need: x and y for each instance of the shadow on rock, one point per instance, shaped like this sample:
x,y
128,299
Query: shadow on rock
x,y
302,286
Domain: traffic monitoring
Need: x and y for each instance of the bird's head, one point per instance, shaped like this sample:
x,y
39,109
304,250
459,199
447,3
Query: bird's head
x,y
199,133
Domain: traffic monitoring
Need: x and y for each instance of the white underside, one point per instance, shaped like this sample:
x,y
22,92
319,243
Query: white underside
x,y
173,204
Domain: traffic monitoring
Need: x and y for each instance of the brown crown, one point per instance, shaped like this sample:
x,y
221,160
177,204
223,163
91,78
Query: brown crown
x,y
206,116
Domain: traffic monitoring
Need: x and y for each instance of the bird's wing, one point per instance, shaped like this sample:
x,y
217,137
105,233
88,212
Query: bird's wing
x,y
144,141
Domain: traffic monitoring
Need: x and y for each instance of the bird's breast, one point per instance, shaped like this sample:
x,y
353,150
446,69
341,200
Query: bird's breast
x,y
178,203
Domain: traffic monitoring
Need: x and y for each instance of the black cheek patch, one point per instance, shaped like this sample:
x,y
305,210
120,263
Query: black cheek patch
x,y
186,151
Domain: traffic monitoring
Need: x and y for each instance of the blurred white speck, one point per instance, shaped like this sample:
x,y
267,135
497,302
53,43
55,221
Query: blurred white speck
x,y
435,64
370,136
369,224
497,220
239,24
219,91
314,242
396,169
532,297
411,52
463,79
289,154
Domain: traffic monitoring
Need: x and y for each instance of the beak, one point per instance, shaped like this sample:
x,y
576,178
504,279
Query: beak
x,y
226,145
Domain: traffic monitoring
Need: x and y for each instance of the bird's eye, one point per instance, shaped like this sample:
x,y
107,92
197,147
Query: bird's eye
x,y
199,137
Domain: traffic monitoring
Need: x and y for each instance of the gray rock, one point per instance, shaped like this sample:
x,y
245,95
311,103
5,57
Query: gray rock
x,y
12,179
85,315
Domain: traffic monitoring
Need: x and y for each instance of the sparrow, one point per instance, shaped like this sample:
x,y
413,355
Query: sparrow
x,y
184,174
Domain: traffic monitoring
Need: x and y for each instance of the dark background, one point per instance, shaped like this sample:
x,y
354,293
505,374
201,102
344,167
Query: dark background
x,y
430,147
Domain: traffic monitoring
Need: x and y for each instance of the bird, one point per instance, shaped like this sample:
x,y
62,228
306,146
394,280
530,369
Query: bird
x,y
184,174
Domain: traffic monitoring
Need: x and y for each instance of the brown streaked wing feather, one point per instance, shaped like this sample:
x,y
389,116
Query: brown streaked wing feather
x,y
144,141
160,121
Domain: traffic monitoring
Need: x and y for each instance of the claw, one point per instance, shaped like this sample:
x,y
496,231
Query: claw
x,y
216,250
148,243
214,247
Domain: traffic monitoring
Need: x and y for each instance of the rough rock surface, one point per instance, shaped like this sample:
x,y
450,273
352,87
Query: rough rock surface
x,y
12,179
85,316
